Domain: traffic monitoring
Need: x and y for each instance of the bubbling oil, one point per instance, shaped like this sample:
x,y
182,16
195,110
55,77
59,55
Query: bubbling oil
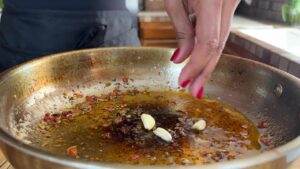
x,y
108,129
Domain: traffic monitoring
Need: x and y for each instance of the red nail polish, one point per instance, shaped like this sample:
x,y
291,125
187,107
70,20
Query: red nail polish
x,y
185,83
200,93
175,54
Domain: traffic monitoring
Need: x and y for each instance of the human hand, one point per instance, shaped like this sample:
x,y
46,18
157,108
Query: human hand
x,y
202,28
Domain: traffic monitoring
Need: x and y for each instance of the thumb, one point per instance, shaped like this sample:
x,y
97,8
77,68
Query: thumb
x,y
184,29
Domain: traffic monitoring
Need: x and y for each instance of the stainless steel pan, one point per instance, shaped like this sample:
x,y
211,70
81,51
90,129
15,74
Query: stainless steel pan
x,y
260,91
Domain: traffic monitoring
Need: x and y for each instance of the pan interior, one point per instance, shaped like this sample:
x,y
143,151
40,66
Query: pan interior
x,y
108,128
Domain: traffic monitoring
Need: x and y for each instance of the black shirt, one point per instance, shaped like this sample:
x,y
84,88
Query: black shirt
x,y
78,5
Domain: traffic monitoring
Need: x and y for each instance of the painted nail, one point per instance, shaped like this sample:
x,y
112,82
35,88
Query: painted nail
x,y
185,83
175,54
200,93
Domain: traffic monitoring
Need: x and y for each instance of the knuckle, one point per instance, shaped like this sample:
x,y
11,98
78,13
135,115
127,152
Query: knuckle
x,y
180,35
214,45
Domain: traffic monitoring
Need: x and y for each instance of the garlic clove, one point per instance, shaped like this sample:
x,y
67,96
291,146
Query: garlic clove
x,y
148,121
163,134
199,125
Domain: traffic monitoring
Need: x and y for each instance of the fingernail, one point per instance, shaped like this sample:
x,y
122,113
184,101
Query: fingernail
x,y
200,93
185,83
175,54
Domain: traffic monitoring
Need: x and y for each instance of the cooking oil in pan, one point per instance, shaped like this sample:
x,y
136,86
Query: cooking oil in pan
x,y
108,129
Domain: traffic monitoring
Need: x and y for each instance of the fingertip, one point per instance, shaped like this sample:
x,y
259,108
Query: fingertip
x,y
185,83
197,92
175,55
197,88
200,93
186,46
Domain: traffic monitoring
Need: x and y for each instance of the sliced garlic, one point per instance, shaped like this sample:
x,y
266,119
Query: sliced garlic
x,y
148,121
199,125
163,134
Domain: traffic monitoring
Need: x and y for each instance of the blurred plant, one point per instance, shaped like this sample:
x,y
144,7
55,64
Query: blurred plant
x,y
291,12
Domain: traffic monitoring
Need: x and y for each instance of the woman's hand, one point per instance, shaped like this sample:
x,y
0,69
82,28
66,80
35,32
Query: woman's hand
x,y
202,28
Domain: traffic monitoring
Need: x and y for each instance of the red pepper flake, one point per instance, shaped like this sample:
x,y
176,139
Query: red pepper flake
x,y
47,117
135,157
51,118
266,140
125,79
262,124
115,92
67,114
91,99
72,151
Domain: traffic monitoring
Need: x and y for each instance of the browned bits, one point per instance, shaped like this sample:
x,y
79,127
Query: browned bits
x,y
109,128
72,151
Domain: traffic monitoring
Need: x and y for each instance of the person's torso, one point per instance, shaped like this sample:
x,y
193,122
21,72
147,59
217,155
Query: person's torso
x,y
33,28
76,5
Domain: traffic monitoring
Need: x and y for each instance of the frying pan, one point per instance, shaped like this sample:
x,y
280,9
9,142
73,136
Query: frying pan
x,y
257,90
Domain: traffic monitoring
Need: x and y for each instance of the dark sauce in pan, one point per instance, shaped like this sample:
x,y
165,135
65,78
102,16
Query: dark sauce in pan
x,y
108,128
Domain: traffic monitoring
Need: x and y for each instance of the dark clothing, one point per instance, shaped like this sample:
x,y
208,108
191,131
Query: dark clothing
x,y
29,33
79,5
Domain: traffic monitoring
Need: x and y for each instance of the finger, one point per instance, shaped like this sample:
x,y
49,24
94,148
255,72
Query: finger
x,y
228,8
193,68
184,30
208,13
197,87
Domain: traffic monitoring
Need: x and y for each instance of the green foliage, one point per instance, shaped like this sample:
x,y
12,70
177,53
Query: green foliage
x,y
291,12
